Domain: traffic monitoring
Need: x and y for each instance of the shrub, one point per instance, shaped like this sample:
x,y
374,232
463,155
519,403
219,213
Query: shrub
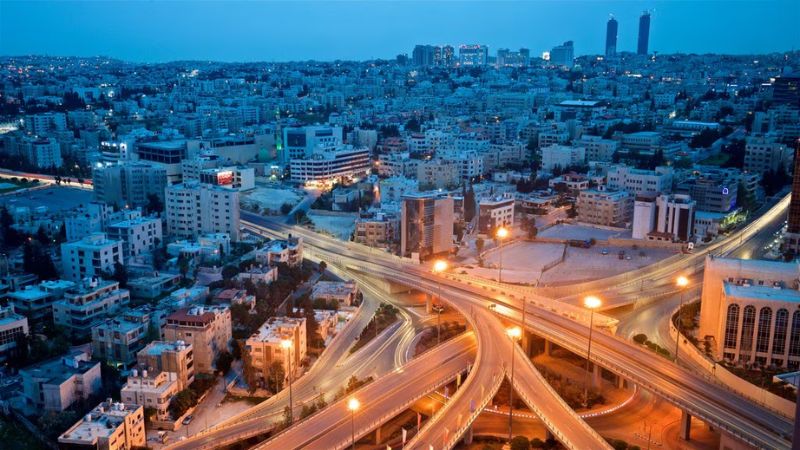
x,y
640,338
520,443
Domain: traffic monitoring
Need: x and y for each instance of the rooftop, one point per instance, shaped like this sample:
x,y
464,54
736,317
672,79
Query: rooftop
x,y
764,293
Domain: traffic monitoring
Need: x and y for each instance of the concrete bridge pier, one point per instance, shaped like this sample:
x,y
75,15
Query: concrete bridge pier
x,y
620,382
548,435
597,376
378,435
548,347
428,303
468,436
686,426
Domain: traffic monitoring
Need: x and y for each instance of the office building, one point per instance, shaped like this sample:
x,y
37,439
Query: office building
x,y
607,208
169,356
13,330
89,257
166,154
791,239
766,153
563,55
508,58
264,347
644,34
241,178
302,142
664,217
206,328
611,37
495,212
786,89
713,192
194,209
426,225
56,384
326,166
109,426
749,311
129,184
473,55
88,304
640,181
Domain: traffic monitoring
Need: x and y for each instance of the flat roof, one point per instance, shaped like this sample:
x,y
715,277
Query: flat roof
x,y
766,293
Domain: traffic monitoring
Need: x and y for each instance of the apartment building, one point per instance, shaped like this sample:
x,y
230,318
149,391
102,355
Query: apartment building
x,y
109,426
193,209
169,356
343,292
88,304
495,212
607,208
288,251
91,256
13,327
206,328
426,225
56,384
265,346
151,390
640,181
138,236
35,302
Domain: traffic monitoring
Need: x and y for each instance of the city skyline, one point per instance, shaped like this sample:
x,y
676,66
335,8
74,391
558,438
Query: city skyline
x,y
268,31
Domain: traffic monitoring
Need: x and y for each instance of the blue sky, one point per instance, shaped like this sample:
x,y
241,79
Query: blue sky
x,y
155,31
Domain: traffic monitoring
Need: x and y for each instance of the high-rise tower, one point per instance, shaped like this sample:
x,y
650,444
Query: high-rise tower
x,y
611,36
644,33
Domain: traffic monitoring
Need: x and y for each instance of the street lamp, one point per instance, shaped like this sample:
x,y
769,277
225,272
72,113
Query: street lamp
x,y
353,404
438,267
681,282
591,302
501,234
514,334
286,344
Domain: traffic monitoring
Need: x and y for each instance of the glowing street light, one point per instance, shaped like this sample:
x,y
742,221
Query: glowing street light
x,y
286,344
438,267
514,334
353,404
682,282
591,303
501,234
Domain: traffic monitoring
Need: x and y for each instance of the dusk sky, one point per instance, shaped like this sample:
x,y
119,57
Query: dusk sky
x,y
156,31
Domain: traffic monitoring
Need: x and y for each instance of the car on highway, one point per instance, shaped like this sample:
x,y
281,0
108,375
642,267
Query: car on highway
x,y
188,419
604,251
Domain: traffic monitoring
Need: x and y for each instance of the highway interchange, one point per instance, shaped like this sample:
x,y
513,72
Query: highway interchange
x,y
692,392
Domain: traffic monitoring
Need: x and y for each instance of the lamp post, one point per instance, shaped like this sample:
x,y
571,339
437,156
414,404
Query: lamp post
x,y
501,234
514,334
438,267
353,404
681,282
591,302
286,344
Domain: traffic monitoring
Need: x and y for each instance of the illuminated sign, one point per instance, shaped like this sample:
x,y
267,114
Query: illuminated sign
x,y
225,178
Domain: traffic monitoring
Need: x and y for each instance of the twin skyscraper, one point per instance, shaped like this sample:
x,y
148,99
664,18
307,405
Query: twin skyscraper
x,y
644,35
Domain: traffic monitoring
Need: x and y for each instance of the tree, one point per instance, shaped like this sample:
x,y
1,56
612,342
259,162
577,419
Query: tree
x,y
224,361
236,350
37,260
469,204
181,402
277,374
120,274
229,272
154,204
520,443
323,266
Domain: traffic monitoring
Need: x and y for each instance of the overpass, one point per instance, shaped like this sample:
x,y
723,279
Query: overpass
x,y
693,394
381,400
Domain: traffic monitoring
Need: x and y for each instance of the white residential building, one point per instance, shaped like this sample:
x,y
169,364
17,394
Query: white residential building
x,y
640,181
562,156
90,256
138,236
193,209
109,426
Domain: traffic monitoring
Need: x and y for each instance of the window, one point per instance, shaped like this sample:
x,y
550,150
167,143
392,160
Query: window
x,y
764,323
779,340
794,338
732,326
748,325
